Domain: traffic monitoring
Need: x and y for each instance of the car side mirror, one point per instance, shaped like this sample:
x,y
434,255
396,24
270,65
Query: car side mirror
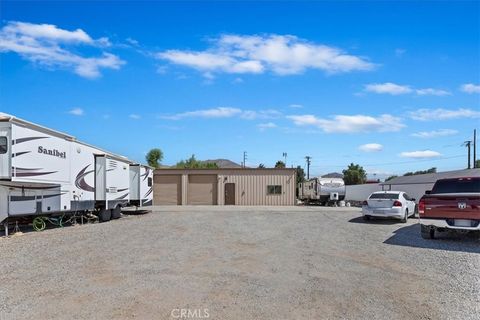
x,y
413,199
428,191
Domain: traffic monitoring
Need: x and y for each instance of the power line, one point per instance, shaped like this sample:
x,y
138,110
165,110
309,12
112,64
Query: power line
x,y
393,163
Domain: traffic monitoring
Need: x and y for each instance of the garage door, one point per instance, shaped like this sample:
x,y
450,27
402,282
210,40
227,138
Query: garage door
x,y
202,189
167,190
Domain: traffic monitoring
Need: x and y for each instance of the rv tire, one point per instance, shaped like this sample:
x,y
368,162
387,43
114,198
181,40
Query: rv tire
x,y
117,212
104,215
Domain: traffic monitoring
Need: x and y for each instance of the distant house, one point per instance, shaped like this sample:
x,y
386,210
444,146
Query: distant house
x,y
333,175
223,163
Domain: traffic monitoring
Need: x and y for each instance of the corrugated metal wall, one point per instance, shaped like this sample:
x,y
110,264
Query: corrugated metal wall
x,y
251,188
250,184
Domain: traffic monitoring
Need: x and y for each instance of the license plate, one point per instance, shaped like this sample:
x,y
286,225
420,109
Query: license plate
x,y
378,211
462,223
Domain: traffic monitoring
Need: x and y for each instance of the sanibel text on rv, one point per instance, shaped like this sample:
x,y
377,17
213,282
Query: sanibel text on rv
x,y
52,152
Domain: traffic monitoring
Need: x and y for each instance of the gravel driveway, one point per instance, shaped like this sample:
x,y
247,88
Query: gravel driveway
x,y
240,263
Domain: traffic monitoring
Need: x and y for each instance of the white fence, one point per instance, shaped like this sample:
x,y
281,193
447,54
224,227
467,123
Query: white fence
x,y
361,192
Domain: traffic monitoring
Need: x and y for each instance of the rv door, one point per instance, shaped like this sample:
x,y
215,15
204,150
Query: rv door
x,y
5,151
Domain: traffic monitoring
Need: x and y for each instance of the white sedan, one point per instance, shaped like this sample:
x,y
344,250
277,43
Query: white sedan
x,y
388,204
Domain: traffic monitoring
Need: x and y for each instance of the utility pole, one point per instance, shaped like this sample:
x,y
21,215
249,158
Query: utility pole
x,y
474,148
285,157
244,158
308,158
468,144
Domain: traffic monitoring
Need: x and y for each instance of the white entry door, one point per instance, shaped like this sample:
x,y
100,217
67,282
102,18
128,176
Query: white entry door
x,y
5,152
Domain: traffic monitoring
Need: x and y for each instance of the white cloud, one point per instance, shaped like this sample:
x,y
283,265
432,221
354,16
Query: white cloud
x,y
397,89
77,112
225,112
425,154
132,42
387,88
443,114
371,147
350,124
435,133
134,116
470,88
238,80
432,92
267,125
49,46
399,52
280,54
221,112
296,106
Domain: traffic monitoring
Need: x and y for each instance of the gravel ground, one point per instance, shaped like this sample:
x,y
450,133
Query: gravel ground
x,y
240,263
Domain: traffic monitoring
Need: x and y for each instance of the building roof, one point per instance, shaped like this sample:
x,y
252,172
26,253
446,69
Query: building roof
x,y
270,171
433,177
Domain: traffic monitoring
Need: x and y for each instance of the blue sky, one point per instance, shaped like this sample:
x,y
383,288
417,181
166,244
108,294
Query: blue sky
x,y
392,86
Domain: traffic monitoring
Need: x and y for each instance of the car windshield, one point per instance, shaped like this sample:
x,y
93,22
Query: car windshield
x,y
457,186
384,196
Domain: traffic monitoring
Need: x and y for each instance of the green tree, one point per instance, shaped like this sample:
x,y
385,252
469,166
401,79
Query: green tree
x,y
300,174
193,163
410,173
280,164
154,157
391,177
261,166
354,174
477,164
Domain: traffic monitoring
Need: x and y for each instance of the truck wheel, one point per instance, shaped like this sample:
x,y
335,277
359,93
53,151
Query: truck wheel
x,y
117,212
476,235
427,233
405,217
104,215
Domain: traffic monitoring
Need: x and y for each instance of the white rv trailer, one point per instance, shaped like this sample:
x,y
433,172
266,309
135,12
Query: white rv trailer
x,y
322,190
45,172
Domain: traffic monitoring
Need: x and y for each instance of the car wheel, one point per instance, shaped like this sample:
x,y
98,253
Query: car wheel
x,y
427,232
405,216
366,218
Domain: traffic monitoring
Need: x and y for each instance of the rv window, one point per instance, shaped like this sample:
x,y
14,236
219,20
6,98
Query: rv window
x,y
149,181
3,145
274,189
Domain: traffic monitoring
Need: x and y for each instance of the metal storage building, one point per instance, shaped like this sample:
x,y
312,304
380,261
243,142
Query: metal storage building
x,y
415,186
242,186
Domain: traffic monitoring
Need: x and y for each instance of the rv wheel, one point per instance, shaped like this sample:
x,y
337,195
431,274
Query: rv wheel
x,y
117,212
104,215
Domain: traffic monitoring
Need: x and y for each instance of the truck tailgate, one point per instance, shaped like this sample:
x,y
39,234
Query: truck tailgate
x,y
455,206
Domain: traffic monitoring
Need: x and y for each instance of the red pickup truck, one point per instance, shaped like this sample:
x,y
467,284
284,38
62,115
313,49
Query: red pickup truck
x,y
452,204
